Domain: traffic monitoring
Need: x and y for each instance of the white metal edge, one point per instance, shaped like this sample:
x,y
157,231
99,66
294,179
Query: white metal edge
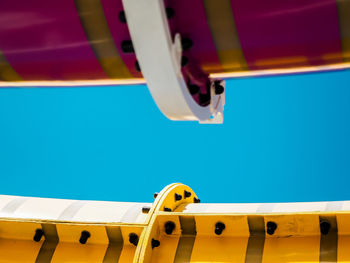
x,y
159,59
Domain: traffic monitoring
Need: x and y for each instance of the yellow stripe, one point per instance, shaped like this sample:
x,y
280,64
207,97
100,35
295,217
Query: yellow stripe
x,y
7,73
16,242
343,222
224,33
344,24
296,239
230,246
129,250
70,250
97,31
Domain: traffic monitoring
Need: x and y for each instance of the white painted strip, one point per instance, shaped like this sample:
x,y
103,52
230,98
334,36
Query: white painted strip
x,y
257,208
31,208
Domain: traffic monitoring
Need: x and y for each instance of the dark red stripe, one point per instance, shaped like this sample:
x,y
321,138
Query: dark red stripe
x,y
44,40
292,29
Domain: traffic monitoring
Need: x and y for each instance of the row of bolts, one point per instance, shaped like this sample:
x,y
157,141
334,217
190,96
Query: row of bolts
x,y
170,226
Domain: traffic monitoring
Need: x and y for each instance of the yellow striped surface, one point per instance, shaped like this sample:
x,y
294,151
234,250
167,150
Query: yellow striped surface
x,y
244,240
305,232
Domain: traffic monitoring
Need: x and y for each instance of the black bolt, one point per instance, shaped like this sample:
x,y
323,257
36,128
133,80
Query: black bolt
x,y
196,200
122,17
219,89
325,227
219,227
146,209
127,46
184,61
84,236
194,89
186,43
167,209
271,227
187,194
169,12
178,197
137,66
133,239
169,227
38,235
204,99
155,243
155,195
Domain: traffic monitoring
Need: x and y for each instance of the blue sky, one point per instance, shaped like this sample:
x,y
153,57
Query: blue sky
x,y
284,138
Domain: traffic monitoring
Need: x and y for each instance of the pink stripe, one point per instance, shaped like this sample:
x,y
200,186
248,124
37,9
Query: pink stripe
x,y
274,29
44,40
119,32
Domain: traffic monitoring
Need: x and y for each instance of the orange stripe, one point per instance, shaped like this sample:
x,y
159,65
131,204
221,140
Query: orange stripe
x,y
223,30
97,31
7,73
344,24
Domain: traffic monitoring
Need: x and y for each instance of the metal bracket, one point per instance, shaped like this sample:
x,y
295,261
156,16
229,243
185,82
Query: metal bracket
x,y
159,58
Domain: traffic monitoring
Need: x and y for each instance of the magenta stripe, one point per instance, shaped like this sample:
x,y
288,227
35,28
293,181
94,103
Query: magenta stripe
x,y
119,32
190,21
44,40
274,29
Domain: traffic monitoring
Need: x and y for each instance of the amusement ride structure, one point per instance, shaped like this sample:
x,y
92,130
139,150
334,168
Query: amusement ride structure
x,y
175,228
184,50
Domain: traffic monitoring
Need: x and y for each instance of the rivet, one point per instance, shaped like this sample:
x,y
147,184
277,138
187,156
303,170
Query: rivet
x,y
133,239
169,12
146,209
122,17
127,46
271,227
184,61
178,197
325,226
204,99
196,200
84,237
219,89
167,209
169,227
219,227
186,43
155,243
194,89
187,194
155,195
137,66
38,235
